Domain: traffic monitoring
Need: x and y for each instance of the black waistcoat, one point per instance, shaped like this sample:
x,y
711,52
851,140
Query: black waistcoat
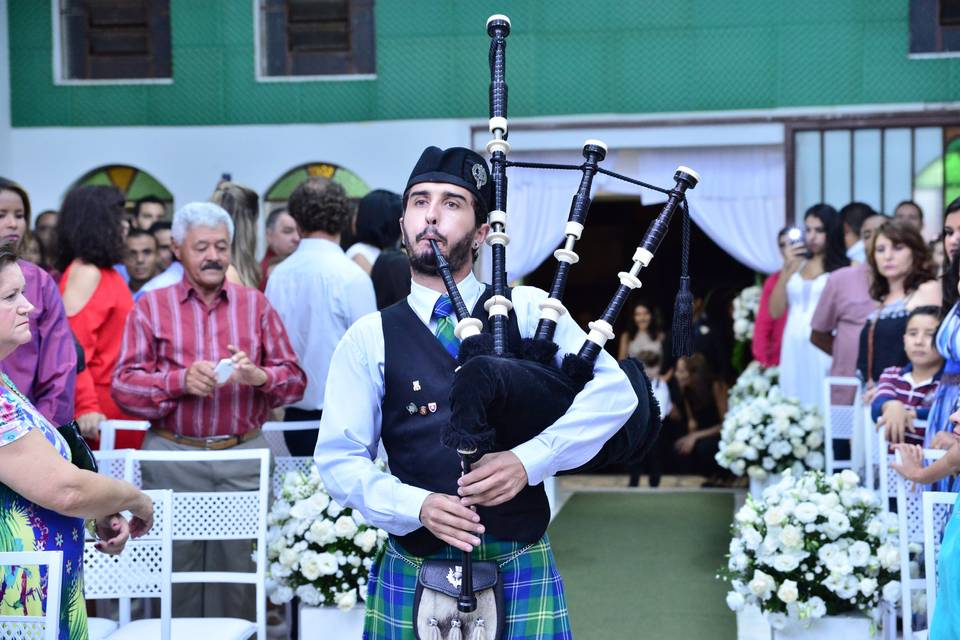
x,y
418,374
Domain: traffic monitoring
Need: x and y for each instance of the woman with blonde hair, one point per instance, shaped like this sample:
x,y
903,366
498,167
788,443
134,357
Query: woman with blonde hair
x,y
243,205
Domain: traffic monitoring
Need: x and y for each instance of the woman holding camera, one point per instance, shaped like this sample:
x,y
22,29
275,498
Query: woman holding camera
x,y
811,257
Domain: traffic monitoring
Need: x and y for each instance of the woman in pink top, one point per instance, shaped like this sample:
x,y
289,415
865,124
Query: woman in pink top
x,y
96,299
768,331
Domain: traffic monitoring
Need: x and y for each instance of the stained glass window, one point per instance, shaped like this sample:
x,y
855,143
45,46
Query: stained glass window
x,y
951,170
280,191
133,182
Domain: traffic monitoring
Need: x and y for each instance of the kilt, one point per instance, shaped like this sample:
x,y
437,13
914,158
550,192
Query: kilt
x,y
536,608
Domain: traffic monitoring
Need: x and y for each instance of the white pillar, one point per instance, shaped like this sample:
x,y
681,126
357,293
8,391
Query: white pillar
x,y
6,169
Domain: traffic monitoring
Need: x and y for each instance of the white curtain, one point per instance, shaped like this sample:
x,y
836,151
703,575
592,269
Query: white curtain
x,y
739,202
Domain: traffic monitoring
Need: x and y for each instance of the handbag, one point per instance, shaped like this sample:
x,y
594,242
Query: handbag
x,y
80,453
435,613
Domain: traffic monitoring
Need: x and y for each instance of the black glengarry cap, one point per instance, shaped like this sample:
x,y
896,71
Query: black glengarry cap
x,y
457,165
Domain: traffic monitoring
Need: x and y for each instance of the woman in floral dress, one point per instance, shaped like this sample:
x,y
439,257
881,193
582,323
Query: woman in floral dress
x,y
44,499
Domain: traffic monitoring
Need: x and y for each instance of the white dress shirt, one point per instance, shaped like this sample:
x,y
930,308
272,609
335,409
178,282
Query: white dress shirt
x,y
318,292
350,429
368,251
170,276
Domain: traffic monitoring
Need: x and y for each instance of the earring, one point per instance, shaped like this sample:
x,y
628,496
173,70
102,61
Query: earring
x,y
476,245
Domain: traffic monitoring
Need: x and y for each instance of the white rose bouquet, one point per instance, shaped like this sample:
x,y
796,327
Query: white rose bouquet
x,y
317,550
745,307
814,546
768,434
756,380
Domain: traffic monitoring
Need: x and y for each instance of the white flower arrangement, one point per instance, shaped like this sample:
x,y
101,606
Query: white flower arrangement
x,y
745,307
814,546
769,434
756,380
316,549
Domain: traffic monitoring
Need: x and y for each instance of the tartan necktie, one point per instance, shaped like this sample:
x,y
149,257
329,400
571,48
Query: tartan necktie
x,y
443,312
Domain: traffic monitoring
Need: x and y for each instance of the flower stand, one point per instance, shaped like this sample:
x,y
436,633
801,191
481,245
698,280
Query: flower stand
x,y
757,486
842,627
331,623
752,624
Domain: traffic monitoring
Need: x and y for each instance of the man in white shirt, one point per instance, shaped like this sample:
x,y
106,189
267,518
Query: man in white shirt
x,y
318,292
390,380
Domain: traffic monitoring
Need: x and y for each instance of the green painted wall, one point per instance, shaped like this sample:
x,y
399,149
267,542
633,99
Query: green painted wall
x,y
564,57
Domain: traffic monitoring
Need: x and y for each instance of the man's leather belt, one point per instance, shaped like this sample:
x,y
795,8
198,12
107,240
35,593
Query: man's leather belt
x,y
213,443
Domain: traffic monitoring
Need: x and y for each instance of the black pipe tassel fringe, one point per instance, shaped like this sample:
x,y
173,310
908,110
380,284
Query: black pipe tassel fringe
x,y
683,320
683,305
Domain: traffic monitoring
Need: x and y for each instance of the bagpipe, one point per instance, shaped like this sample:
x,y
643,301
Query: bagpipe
x,y
501,399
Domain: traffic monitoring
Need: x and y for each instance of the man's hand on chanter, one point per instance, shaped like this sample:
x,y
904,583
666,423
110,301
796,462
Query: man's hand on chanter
x,y
450,521
494,479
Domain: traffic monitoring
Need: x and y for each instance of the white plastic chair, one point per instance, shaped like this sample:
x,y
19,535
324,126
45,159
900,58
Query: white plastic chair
x,y
283,462
841,422
112,463
910,526
47,626
937,506
886,476
215,515
143,570
871,459
109,428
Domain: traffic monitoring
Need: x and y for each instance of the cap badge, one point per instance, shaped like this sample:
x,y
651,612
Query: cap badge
x,y
479,175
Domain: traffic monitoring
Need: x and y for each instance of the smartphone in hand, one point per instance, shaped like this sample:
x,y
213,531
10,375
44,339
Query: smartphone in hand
x,y
795,239
224,370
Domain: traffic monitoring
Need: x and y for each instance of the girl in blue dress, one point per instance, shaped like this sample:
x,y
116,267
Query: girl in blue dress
x,y
947,397
945,624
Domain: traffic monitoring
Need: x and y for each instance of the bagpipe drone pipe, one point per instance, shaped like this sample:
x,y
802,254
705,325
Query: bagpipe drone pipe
x,y
501,399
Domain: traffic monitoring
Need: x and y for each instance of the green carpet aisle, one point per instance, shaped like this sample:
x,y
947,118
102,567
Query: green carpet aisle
x,y
642,565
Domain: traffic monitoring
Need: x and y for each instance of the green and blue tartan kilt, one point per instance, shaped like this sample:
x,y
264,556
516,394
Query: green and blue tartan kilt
x,y
532,591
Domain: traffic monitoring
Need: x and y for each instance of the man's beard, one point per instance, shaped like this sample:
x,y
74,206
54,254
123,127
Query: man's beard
x,y
458,254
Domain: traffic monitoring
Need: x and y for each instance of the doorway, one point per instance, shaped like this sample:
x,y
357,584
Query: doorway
x,y
614,229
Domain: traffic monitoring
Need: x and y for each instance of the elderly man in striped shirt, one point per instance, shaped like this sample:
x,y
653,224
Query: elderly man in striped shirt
x,y
172,342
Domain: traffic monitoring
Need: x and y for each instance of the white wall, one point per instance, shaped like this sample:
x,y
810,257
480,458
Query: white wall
x,y
4,91
190,160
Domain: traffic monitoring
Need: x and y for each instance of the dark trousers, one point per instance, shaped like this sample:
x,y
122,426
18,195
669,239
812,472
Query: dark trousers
x,y
301,443
659,457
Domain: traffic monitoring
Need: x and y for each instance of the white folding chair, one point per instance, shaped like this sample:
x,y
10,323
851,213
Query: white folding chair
x,y
871,461
45,626
216,515
143,570
937,506
840,421
283,462
113,463
910,529
886,476
109,428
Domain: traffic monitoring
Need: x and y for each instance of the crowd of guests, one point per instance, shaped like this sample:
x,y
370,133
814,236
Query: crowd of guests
x,y
862,294
886,312
117,311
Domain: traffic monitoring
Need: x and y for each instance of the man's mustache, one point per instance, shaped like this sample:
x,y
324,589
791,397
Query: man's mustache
x,y
431,231
212,266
